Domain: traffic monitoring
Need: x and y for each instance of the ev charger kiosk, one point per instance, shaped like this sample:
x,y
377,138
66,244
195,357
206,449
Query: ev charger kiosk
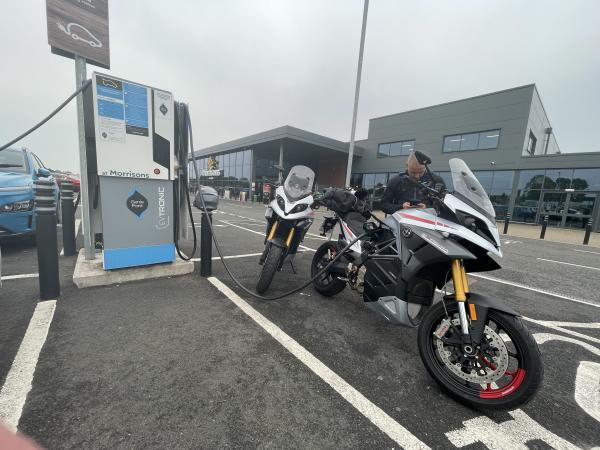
x,y
131,167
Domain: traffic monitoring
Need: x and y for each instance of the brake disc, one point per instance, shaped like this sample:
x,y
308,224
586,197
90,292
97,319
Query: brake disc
x,y
479,372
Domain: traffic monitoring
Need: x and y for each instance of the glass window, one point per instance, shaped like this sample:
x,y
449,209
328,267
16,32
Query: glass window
x,y
469,141
368,180
356,179
13,160
485,178
586,179
248,157
395,149
503,180
452,143
407,147
488,139
558,179
246,172
381,179
384,149
531,179
532,143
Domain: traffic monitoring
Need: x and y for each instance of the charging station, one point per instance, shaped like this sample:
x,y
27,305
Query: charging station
x,y
130,141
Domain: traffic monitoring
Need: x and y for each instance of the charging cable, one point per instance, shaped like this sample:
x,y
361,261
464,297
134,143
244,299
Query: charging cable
x,y
49,116
233,278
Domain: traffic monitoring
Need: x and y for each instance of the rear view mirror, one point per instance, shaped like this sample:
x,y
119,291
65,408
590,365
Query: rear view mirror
x,y
43,172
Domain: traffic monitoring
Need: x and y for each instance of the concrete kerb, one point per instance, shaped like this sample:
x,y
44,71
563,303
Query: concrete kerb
x,y
90,273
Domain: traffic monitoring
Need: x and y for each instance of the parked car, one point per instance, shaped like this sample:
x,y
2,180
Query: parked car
x,y
65,176
19,168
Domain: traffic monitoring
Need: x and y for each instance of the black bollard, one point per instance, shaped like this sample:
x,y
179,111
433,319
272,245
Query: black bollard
x,y
506,222
47,248
544,225
205,245
68,218
588,231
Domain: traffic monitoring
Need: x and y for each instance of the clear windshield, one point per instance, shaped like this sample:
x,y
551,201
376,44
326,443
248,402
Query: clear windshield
x,y
469,187
299,182
12,160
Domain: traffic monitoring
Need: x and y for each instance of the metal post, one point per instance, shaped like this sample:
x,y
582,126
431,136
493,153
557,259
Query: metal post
x,y
68,218
205,245
357,91
47,247
544,226
280,175
588,231
88,242
506,222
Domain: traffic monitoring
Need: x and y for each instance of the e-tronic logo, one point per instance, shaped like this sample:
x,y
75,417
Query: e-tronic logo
x,y
163,218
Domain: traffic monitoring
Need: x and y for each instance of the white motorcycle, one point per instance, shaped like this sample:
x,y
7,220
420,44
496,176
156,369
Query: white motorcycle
x,y
476,348
289,216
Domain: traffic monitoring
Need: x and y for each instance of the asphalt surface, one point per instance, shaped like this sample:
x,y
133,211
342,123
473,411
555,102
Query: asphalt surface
x,y
174,363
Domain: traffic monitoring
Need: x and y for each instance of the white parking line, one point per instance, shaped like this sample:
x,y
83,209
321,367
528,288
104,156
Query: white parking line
x,y
587,251
262,234
376,415
568,264
18,277
19,378
529,288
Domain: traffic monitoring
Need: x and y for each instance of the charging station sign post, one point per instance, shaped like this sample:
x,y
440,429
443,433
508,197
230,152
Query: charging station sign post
x,y
79,29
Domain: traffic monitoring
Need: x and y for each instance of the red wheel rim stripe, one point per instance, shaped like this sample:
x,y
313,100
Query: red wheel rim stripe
x,y
518,378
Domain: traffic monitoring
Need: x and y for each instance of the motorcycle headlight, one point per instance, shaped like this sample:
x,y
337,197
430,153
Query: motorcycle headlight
x,y
281,202
299,208
26,205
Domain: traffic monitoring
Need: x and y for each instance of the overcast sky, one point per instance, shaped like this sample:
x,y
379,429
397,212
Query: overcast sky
x,y
247,66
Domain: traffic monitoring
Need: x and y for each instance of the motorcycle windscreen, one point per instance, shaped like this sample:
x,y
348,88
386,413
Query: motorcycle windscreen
x,y
299,182
466,184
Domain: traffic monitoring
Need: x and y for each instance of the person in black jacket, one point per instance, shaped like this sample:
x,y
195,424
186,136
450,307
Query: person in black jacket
x,y
401,193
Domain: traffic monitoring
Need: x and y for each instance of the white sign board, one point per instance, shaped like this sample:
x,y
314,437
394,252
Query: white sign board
x,y
134,129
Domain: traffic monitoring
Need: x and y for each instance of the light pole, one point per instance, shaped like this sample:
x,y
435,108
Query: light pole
x,y
357,92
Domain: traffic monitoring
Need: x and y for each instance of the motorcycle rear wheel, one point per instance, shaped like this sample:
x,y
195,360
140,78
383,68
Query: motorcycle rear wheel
x,y
518,366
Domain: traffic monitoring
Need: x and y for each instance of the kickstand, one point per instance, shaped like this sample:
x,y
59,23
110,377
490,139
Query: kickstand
x,y
293,268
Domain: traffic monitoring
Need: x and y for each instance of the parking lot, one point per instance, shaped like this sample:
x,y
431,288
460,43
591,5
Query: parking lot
x,y
190,362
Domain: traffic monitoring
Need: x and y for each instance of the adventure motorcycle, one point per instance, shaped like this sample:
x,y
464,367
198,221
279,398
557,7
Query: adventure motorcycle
x,y
477,349
289,216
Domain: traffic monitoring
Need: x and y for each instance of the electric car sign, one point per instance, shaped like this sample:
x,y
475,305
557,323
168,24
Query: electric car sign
x,y
79,27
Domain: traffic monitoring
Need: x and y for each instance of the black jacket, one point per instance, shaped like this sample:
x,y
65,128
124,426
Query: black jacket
x,y
400,190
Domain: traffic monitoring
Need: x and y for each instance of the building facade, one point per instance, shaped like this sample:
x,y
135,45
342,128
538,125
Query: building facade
x,y
505,137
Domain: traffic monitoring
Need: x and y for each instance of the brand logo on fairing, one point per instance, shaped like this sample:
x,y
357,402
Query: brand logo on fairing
x,y
163,218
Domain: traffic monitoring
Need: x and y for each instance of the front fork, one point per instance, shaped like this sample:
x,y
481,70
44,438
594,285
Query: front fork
x,y
461,289
472,324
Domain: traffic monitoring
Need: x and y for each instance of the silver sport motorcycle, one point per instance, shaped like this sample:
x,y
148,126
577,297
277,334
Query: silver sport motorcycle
x,y
476,348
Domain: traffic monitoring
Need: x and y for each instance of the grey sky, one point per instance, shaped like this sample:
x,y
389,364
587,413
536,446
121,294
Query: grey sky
x,y
248,66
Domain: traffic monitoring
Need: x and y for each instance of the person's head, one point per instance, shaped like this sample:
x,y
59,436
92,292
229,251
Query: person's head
x,y
413,168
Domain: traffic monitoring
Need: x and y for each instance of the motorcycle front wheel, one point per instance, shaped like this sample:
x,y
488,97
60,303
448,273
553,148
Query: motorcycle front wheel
x,y
504,370
269,268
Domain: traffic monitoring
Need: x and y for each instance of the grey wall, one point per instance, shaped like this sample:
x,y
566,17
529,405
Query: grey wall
x,y
538,123
507,110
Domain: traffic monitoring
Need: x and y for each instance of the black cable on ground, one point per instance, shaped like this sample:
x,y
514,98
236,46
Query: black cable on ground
x,y
50,116
233,278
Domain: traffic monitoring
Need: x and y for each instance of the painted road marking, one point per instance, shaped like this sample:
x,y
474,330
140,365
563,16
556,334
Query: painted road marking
x,y
262,234
513,434
368,409
568,264
19,378
541,291
18,277
587,388
587,251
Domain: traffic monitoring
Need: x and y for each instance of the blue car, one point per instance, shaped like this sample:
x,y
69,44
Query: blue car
x,y
19,168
